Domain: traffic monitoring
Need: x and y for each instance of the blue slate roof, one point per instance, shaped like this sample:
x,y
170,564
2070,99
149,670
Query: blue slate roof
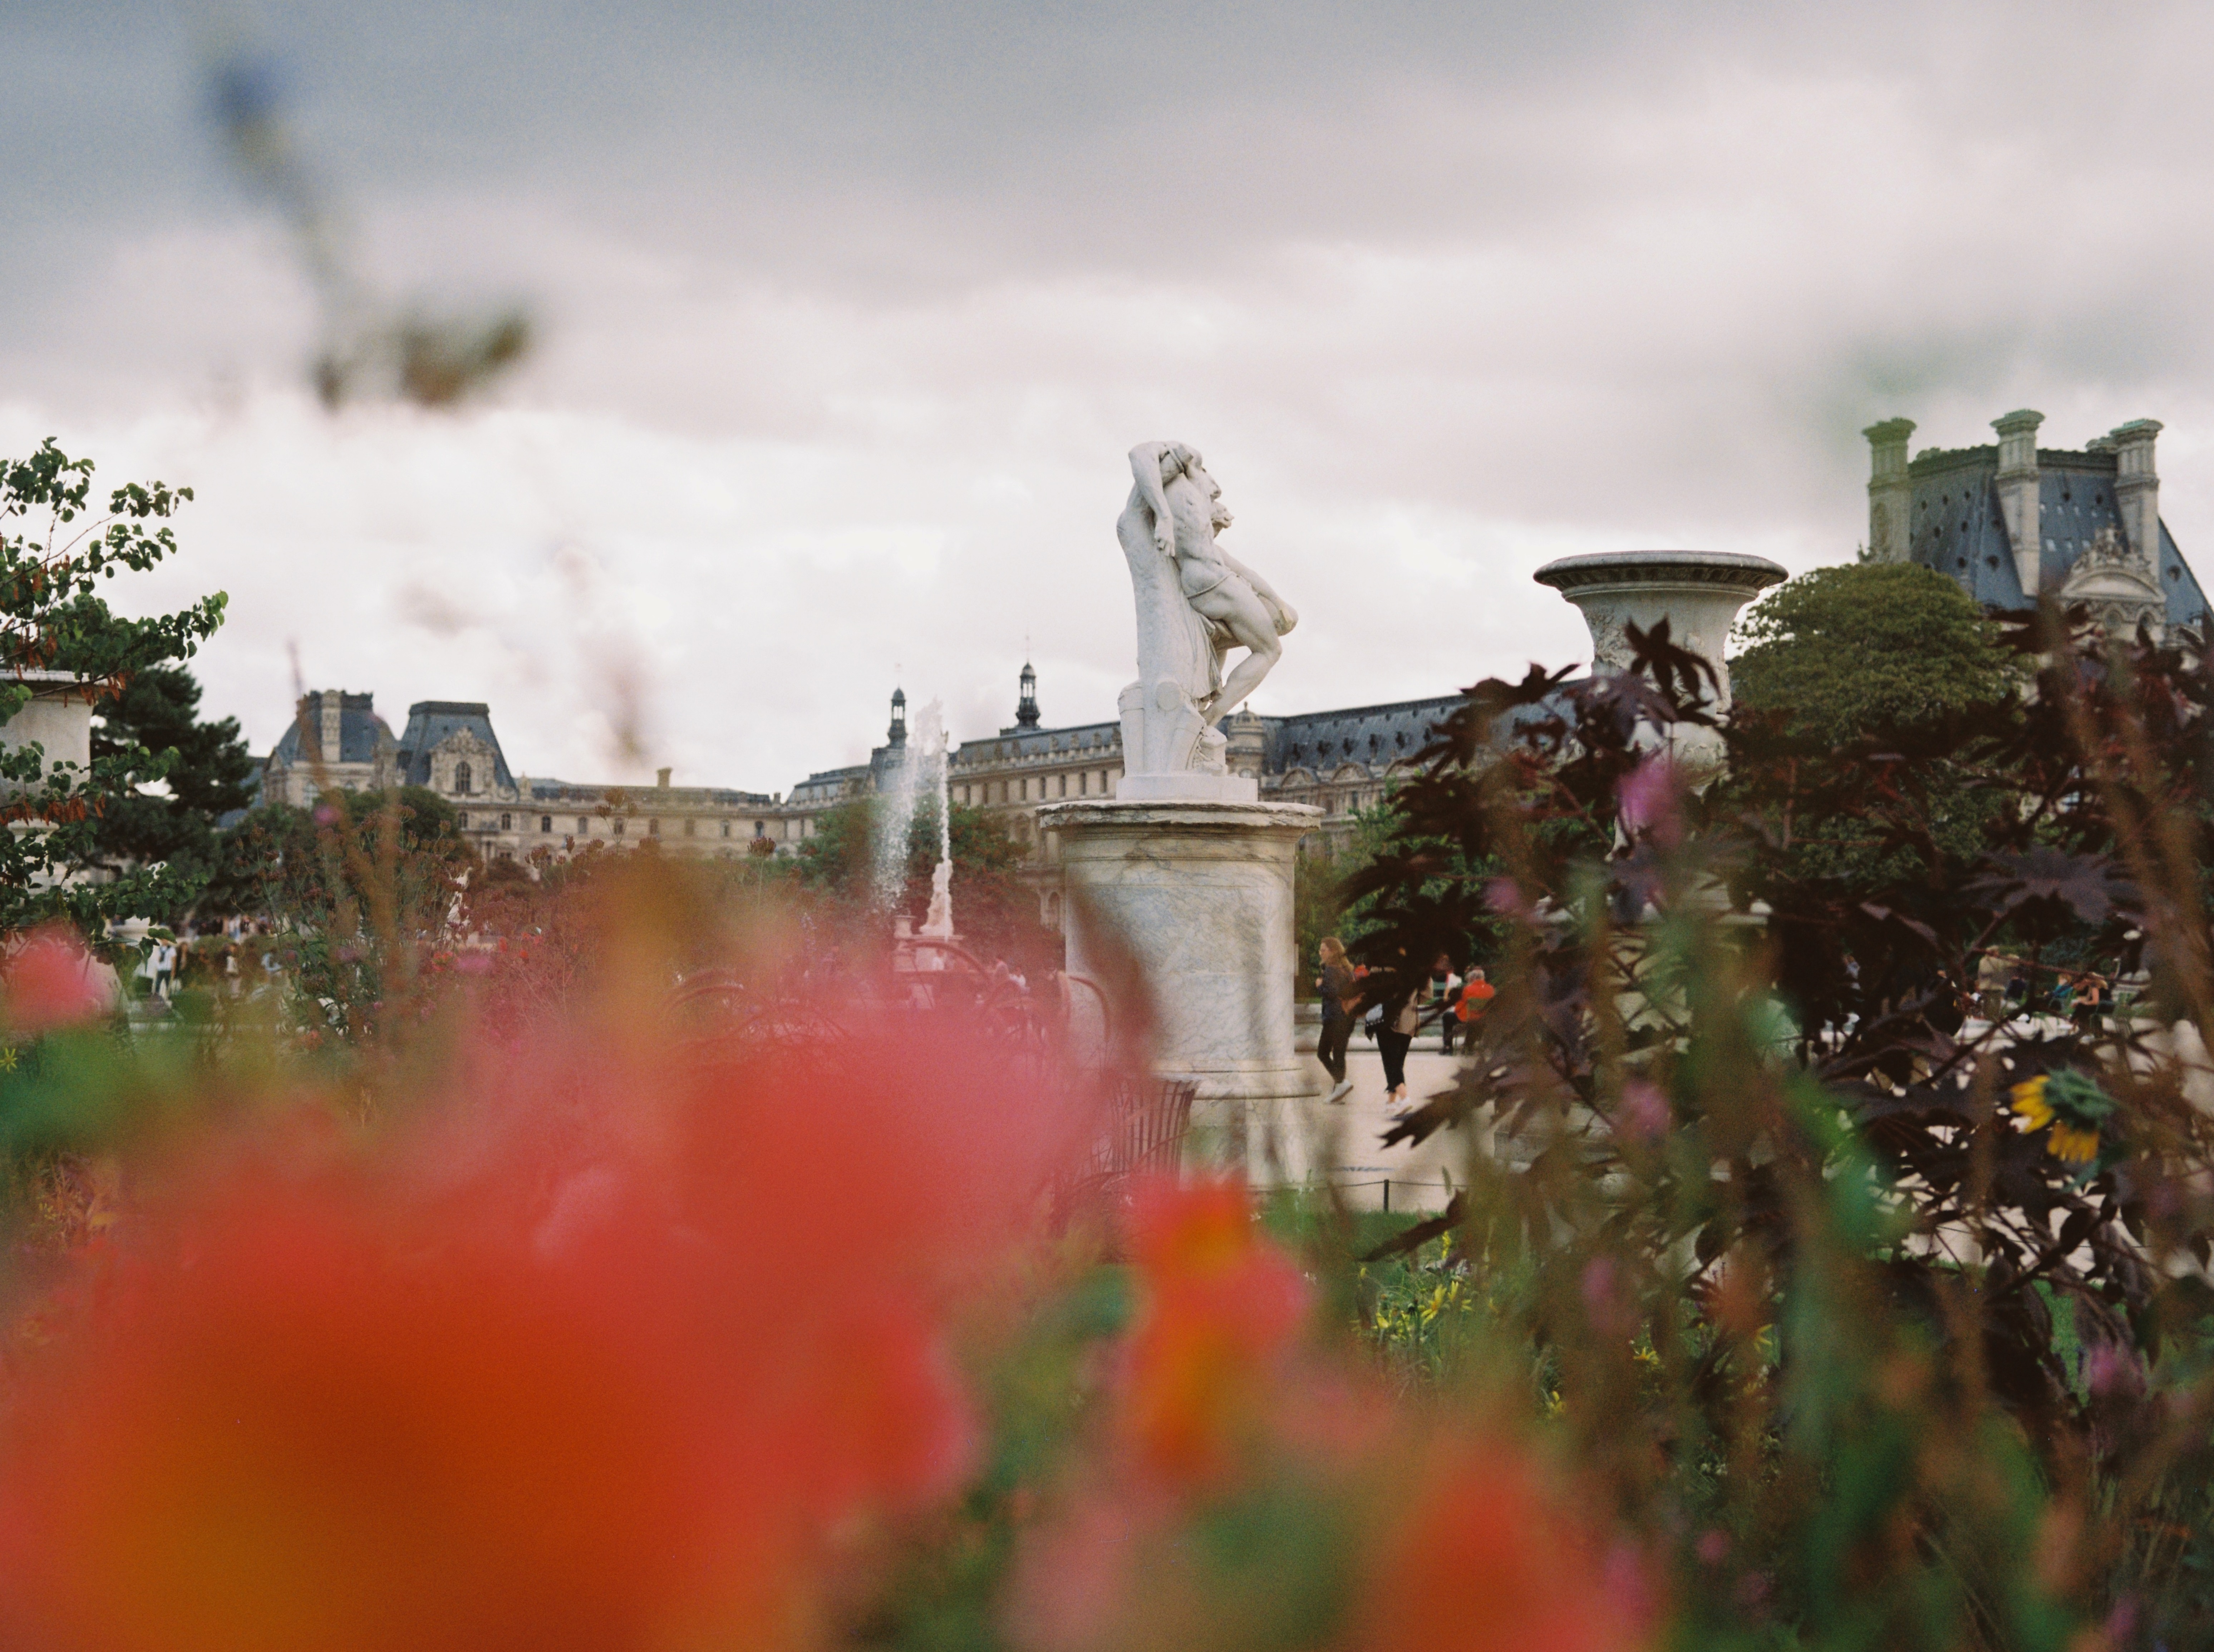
x,y
1958,528
1037,743
1363,734
827,785
429,722
359,727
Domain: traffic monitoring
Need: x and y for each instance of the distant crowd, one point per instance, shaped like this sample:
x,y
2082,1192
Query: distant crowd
x,y
1452,1003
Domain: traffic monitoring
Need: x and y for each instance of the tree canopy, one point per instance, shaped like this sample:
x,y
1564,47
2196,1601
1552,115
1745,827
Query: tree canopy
x,y
995,911
1851,651
58,549
207,770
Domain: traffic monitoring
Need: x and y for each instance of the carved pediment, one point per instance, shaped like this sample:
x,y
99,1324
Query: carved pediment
x,y
2118,585
465,764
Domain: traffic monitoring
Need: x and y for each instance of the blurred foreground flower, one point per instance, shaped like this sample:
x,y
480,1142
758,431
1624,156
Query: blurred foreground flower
x,y
1221,1309
1485,1558
51,982
1262,1494
623,1353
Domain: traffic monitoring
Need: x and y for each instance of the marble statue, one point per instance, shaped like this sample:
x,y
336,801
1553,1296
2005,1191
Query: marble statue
x,y
1195,604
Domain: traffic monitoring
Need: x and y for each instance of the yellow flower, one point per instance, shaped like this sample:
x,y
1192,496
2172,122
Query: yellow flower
x,y
2071,1146
2072,1105
2029,1101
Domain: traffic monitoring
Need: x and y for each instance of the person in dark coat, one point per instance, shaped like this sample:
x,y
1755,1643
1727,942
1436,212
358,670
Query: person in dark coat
x,y
1341,992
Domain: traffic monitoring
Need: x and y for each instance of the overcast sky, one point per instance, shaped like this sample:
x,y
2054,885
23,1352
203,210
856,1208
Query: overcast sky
x,y
849,314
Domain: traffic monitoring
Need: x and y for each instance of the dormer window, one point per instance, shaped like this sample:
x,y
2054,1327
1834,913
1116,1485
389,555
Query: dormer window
x,y
461,778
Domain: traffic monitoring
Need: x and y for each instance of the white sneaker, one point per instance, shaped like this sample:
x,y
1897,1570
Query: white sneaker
x,y
1344,1088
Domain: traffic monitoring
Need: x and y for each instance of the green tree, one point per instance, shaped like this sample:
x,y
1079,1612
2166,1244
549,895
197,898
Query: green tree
x,y
1888,654
57,550
996,913
360,886
208,773
1320,906
1868,648
329,868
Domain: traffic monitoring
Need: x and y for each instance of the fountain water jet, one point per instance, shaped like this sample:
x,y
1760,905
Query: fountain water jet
x,y
923,766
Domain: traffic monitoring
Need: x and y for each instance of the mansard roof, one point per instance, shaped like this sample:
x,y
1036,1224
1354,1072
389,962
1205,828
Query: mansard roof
x,y
1362,734
430,723
645,799
1956,527
1011,744
360,730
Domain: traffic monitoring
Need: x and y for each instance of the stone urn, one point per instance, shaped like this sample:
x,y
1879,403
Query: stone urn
x,y
1699,593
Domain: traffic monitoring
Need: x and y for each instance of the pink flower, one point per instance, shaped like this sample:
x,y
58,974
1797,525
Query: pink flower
x,y
50,984
2110,1369
1606,1301
1642,1115
1648,796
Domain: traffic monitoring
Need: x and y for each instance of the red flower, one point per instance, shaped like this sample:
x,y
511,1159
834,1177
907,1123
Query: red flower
x,y
615,1354
292,1425
1486,1560
1222,1311
51,983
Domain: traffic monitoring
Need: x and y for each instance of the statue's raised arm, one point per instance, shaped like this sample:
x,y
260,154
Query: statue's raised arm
x,y
1145,464
1194,602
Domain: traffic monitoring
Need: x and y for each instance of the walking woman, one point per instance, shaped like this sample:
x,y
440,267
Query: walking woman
x,y
1395,1035
1341,993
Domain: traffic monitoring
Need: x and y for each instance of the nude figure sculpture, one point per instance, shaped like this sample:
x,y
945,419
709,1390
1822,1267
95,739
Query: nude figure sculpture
x,y
1196,602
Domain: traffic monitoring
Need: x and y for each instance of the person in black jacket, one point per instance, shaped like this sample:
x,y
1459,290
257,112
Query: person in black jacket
x,y
1340,990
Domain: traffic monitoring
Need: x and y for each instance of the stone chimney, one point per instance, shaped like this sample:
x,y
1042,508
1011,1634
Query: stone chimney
x,y
661,779
324,717
2018,500
2137,487
1891,493
1249,743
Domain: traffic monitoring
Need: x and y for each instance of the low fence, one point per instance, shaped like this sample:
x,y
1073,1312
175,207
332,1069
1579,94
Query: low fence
x,y
1385,1193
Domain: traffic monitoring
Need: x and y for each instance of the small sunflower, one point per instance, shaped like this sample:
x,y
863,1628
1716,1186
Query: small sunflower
x,y
2072,1105
2071,1146
2030,1105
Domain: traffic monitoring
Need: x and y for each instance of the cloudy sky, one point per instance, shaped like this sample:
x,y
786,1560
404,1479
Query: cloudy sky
x,y
848,314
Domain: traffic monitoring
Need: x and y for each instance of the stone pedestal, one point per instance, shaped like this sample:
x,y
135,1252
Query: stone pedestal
x,y
1199,895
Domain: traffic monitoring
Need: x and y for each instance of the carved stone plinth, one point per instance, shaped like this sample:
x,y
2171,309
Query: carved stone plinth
x,y
1199,895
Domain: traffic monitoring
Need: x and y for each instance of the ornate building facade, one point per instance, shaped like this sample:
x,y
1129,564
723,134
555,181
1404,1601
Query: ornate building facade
x,y
1339,761
2009,520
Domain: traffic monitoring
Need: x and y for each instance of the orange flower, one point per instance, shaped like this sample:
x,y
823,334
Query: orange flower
x,y
50,984
1222,1310
289,1428
613,1352
1487,1561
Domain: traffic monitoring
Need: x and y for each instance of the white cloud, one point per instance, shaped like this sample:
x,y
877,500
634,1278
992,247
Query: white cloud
x,y
849,399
